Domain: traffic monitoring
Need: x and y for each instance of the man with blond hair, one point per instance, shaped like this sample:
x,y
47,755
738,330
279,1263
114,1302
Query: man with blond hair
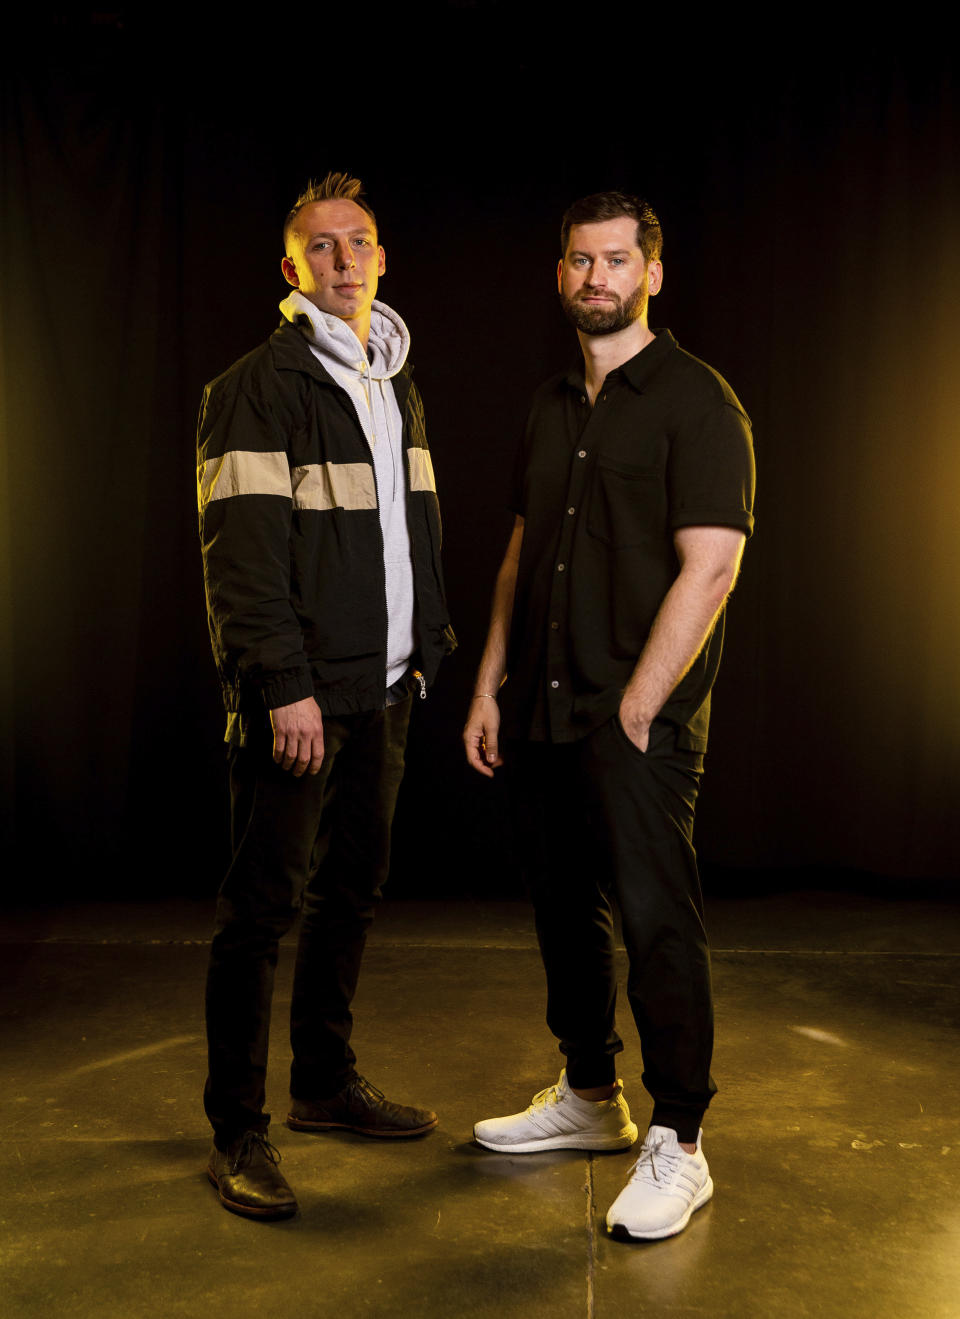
x,y
320,534
633,497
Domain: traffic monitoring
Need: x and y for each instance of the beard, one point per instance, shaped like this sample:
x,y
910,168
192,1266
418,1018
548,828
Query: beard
x,y
607,320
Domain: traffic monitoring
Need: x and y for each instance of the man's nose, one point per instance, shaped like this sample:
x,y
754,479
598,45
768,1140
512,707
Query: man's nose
x,y
344,256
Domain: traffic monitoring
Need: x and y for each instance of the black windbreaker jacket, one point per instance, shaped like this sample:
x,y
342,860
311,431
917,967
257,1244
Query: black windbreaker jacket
x,y
290,531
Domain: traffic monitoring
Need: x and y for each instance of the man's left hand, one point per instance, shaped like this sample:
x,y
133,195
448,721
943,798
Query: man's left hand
x,y
635,724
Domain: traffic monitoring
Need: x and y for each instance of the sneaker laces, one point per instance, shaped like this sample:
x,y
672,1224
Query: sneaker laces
x,y
548,1113
253,1140
656,1165
551,1095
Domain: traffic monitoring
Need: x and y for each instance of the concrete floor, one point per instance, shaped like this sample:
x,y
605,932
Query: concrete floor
x,y
834,1142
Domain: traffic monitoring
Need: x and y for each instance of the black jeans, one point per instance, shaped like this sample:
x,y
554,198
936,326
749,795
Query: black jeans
x,y
603,822
318,843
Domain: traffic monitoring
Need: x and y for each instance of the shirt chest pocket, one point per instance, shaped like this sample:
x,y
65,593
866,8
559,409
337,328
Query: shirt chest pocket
x,y
628,503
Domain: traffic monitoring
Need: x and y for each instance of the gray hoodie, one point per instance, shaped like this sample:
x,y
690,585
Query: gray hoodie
x,y
365,376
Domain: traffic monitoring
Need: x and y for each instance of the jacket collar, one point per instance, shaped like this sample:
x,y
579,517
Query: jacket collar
x,y
291,352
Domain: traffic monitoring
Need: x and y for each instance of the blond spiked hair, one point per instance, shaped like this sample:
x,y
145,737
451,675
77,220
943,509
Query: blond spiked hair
x,y
334,186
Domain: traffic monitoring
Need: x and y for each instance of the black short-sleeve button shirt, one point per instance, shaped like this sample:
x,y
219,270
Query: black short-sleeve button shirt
x,y
602,490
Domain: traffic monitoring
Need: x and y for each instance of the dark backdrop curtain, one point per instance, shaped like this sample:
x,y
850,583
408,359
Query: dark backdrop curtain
x,y
812,219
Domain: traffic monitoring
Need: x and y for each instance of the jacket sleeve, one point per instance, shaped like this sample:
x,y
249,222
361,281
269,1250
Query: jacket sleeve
x,y
246,503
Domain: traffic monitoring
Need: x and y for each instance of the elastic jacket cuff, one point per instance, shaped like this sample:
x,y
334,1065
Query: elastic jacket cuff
x,y
285,688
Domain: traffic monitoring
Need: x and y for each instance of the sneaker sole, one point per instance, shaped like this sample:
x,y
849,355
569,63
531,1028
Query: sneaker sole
x,y
620,1231
299,1124
571,1142
251,1211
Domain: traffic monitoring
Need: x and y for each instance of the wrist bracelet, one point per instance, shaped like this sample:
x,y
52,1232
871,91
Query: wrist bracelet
x,y
478,695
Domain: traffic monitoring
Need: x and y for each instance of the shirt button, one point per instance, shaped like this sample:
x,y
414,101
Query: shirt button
x,y
571,511
554,684
582,453
583,398
560,567
555,627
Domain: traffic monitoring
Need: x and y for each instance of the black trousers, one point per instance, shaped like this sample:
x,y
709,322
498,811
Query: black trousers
x,y
604,823
320,844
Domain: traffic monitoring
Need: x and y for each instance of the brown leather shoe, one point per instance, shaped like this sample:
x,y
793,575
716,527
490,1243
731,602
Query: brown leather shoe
x,y
361,1107
248,1180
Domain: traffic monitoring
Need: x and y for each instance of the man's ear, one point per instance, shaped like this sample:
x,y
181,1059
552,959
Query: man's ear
x,y
655,275
290,272
382,262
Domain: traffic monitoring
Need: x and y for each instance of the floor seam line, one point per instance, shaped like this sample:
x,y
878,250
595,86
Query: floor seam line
x,y
833,952
916,953
591,1239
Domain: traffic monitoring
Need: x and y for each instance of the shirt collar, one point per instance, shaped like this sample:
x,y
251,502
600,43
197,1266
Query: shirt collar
x,y
639,369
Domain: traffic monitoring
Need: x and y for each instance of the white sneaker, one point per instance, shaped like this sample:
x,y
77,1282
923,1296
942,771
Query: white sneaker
x,y
666,1186
558,1120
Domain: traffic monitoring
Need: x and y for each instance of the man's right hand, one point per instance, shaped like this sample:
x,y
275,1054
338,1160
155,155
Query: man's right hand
x,y
298,736
481,735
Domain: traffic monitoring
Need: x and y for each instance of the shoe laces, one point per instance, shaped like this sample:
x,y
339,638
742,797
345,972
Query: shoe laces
x,y
655,1164
253,1140
365,1087
551,1095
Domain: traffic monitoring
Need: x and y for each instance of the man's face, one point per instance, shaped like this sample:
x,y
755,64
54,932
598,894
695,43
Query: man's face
x,y
333,258
603,279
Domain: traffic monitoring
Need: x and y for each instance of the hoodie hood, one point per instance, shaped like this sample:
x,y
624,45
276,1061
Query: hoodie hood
x,y
331,337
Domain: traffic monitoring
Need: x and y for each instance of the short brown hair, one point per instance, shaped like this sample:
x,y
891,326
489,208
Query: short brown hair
x,y
333,187
610,206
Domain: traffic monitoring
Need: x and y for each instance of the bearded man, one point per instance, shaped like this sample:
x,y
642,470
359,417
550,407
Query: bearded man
x,y
633,498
